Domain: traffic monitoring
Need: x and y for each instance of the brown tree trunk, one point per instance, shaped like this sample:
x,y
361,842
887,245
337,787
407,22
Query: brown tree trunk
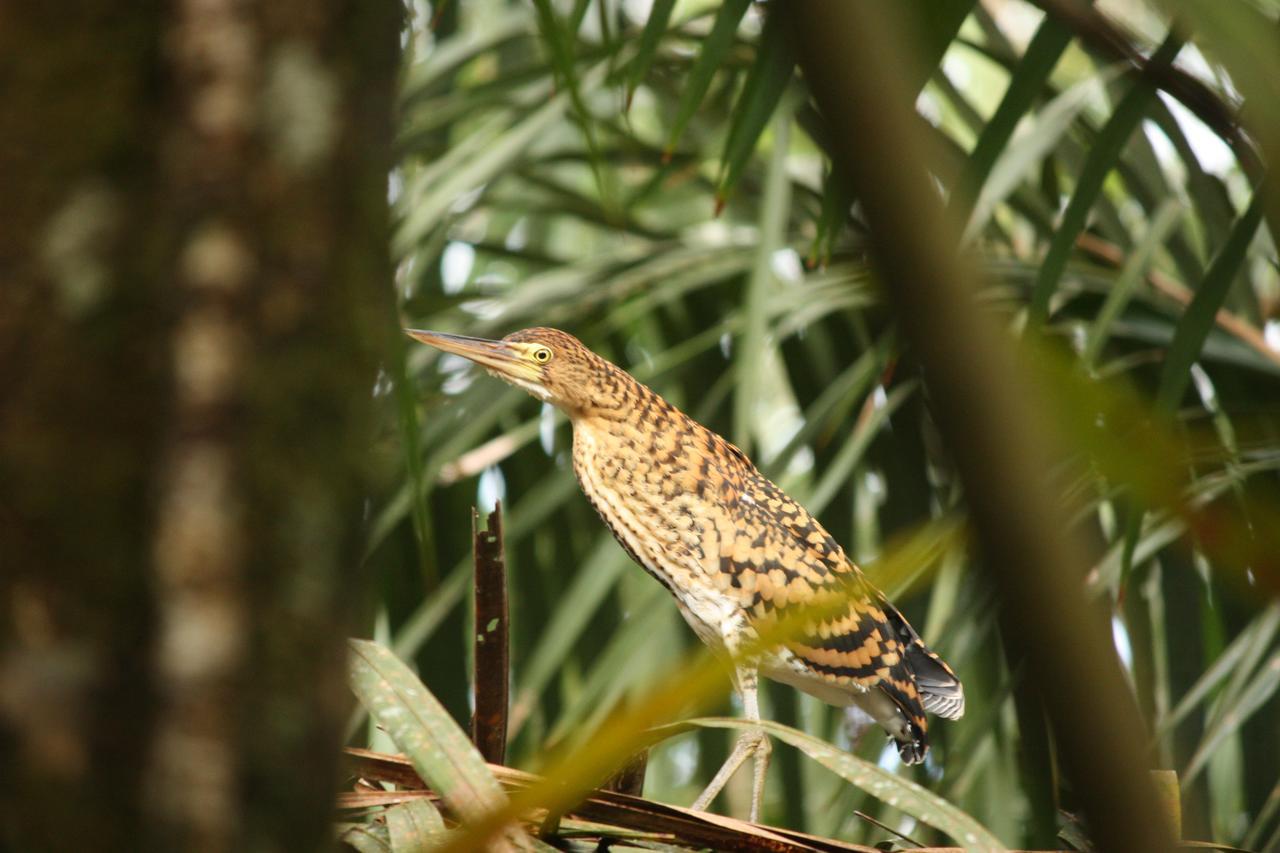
x,y
194,277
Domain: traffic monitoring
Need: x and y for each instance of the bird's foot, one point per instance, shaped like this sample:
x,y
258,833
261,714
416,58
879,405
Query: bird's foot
x,y
753,743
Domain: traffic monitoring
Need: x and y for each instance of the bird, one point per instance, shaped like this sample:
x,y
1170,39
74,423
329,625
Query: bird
x,y
731,547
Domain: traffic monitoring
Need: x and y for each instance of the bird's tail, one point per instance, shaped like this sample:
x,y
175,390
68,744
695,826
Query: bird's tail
x,y
930,685
941,692
912,739
940,689
921,682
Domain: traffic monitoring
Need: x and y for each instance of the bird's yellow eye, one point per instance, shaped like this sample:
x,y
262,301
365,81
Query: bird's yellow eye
x,y
542,355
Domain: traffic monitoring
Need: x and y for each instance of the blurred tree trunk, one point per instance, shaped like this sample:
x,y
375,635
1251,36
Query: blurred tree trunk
x,y
194,255
846,51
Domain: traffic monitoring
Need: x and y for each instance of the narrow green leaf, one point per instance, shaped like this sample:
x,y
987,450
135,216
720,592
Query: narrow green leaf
x,y
836,201
659,17
844,392
1234,716
837,473
608,38
929,26
407,420
560,42
1263,819
414,827
447,442
447,56
1206,190
436,190
1158,533
1102,158
766,82
576,17
529,511
903,794
1257,635
1021,155
1245,674
1130,276
715,50
419,724
1198,319
754,344
618,667
1025,84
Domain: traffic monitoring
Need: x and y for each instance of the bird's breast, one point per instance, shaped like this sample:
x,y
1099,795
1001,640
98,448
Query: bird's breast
x,y
647,492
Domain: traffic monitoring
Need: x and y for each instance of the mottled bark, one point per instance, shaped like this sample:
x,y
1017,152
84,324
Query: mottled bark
x,y
193,244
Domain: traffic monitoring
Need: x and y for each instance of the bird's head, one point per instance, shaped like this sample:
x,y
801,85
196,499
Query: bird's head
x,y
550,364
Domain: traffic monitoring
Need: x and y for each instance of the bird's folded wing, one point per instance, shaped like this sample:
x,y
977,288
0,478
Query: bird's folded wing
x,y
782,565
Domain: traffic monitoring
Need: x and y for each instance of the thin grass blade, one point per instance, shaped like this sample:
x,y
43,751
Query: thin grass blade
x,y
1199,317
1021,155
1130,276
712,56
767,81
1025,84
650,37
1102,158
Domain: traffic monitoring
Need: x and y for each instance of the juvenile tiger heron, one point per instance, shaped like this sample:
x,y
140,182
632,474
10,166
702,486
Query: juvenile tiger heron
x,y
729,545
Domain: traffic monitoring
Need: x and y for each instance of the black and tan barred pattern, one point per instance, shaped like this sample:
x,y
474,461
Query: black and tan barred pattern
x,y
692,510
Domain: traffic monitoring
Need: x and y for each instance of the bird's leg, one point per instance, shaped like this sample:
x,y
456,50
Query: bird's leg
x,y
753,742
760,766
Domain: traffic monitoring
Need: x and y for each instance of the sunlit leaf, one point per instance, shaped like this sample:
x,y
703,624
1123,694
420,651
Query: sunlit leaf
x,y
440,751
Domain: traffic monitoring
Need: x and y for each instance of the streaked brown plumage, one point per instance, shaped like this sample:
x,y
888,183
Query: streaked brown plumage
x,y
732,548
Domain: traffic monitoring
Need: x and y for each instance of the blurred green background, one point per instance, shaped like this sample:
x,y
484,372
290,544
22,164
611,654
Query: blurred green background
x,y
652,178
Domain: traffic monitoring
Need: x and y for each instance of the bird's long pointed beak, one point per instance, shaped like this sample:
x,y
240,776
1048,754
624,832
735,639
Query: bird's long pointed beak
x,y
495,355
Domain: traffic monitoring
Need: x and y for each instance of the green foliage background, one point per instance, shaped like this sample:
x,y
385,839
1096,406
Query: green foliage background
x,y
654,181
